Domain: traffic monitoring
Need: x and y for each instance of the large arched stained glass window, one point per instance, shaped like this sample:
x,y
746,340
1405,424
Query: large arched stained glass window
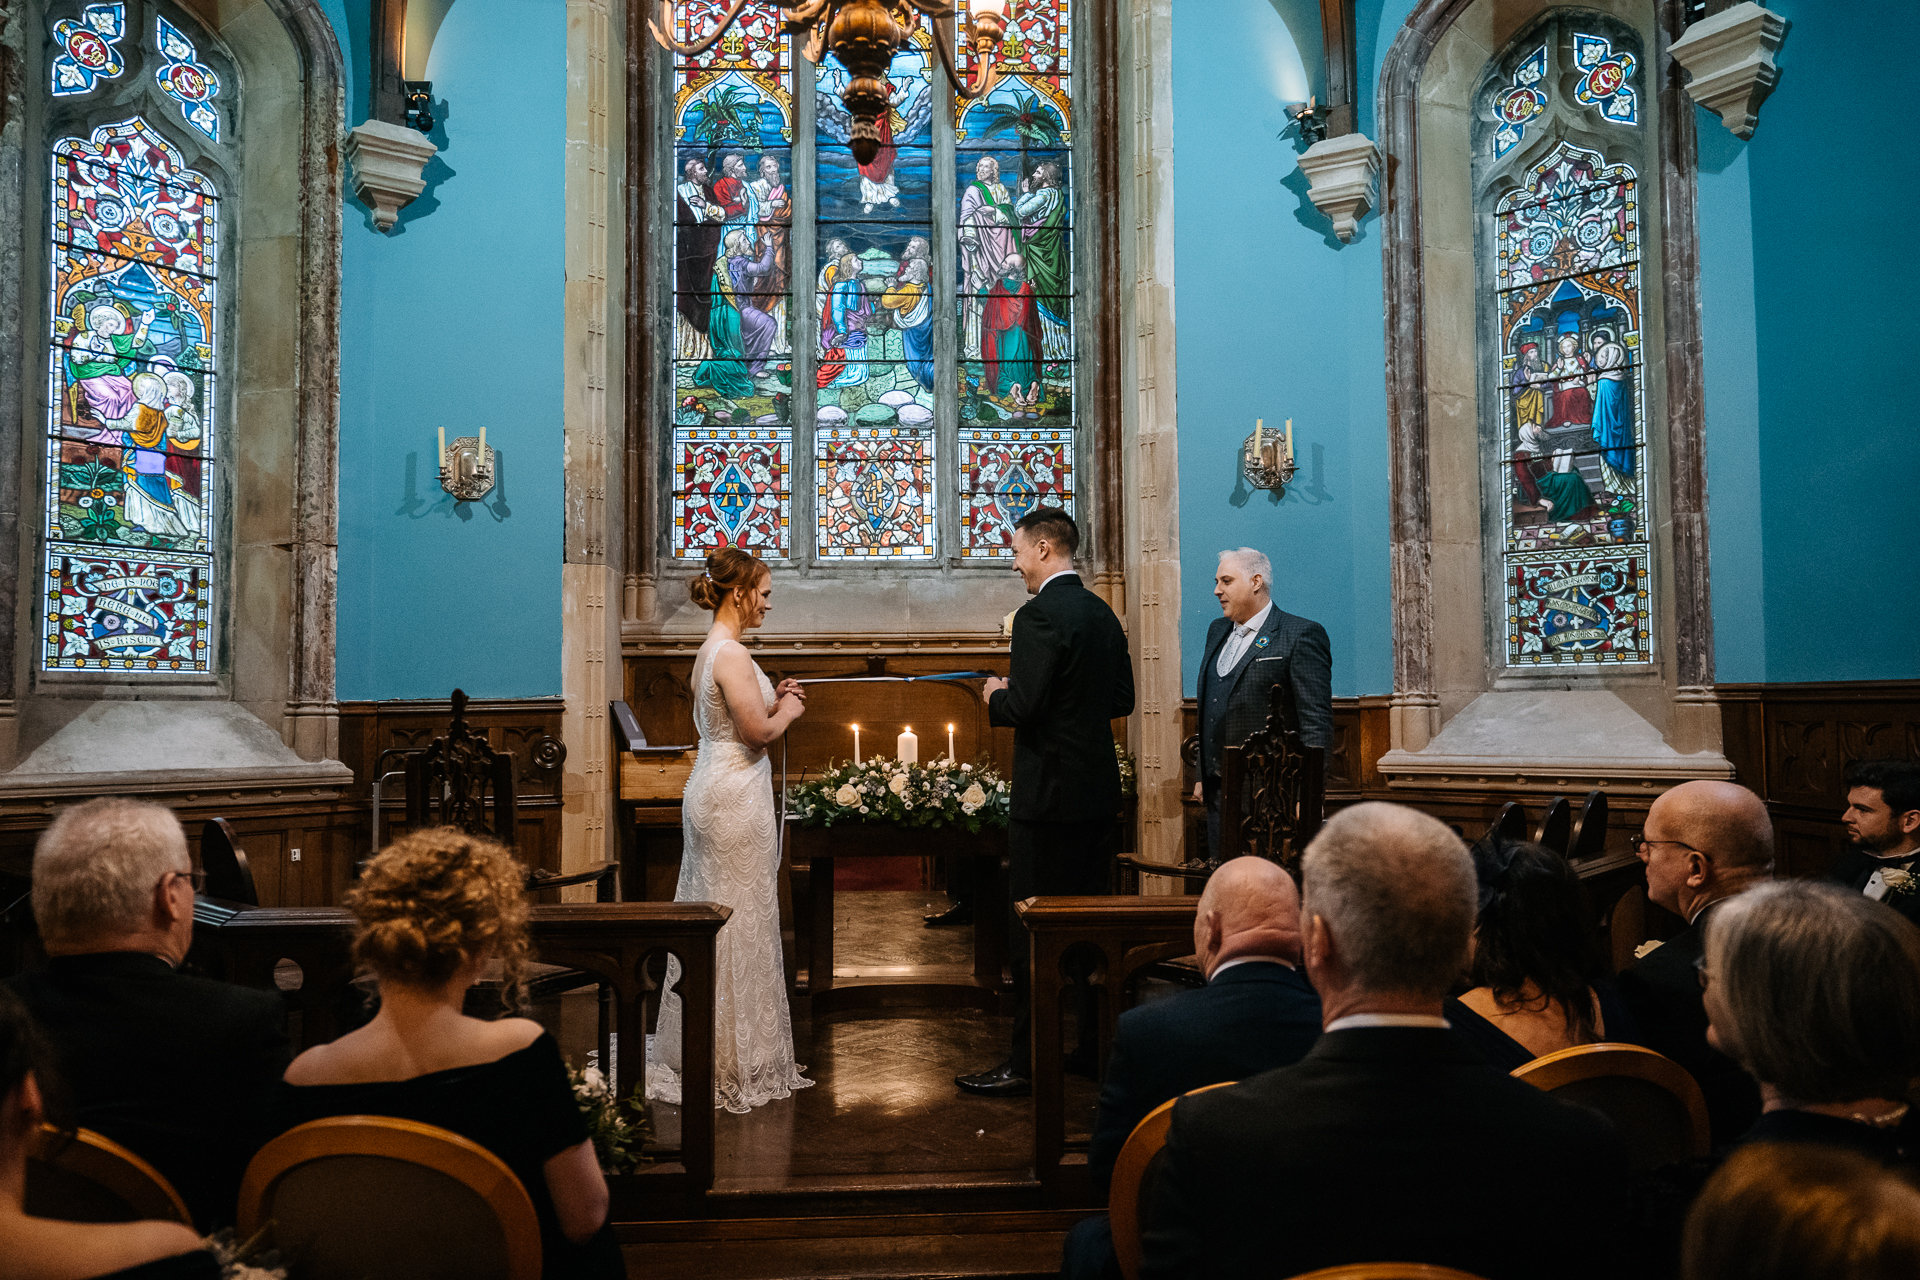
x,y
129,499
1574,549
930,335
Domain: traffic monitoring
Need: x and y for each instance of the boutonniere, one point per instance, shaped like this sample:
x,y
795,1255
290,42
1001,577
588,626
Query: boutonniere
x,y
1898,881
1646,948
1261,643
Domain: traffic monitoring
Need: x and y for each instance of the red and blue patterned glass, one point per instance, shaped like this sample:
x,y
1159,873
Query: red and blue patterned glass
x,y
874,492
185,79
1004,474
131,395
89,49
732,487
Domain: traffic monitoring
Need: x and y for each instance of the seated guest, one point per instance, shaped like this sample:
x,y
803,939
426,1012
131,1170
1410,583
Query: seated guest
x,y
1792,1211
1539,984
178,1069
1391,1140
1703,843
1255,1013
41,1248
1815,990
434,909
1883,821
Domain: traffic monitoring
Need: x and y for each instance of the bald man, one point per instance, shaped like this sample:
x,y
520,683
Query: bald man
x,y
1257,1012
1703,843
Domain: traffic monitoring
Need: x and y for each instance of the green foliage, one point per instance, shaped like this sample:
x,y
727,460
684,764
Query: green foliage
x,y
1024,119
729,114
620,1130
971,797
1129,775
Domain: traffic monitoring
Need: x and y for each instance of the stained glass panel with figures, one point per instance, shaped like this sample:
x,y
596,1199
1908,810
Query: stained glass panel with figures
x,y
732,487
874,492
1004,474
1572,412
130,393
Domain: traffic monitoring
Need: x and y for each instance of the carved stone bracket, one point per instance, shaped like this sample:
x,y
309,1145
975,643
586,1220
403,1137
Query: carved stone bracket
x,y
1729,58
1343,172
387,163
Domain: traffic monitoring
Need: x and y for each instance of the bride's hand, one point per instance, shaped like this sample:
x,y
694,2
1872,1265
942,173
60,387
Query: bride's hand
x,y
793,687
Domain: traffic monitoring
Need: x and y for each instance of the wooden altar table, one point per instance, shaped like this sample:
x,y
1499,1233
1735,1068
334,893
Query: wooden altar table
x,y
811,854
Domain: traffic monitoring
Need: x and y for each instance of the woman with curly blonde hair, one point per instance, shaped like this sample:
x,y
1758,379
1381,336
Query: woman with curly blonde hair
x,y
436,908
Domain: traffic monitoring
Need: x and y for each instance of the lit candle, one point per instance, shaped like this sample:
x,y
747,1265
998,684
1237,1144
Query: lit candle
x,y
907,747
856,744
950,755
443,448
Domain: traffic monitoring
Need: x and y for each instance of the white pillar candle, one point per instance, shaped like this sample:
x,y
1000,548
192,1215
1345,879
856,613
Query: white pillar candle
x,y
950,755
1289,439
443,450
856,744
907,747
480,462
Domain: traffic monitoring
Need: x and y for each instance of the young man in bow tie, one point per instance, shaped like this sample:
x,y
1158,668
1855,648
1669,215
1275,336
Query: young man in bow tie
x,y
1251,648
1883,821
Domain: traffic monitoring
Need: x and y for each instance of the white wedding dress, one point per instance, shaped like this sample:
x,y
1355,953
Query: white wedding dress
x,y
732,856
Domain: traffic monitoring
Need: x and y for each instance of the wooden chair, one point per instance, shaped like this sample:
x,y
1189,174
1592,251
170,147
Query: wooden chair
x,y
1133,1173
448,783
1511,824
1274,788
221,857
354,1196
1654,1104
1590,831
1387,1271
91,1178
1556,826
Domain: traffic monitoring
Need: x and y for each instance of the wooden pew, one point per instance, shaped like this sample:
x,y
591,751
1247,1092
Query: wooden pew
x,y
613,941
1130,934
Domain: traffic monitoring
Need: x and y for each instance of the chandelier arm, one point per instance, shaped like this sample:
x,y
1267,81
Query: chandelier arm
x,y
986,70
697,47
803,14
816,34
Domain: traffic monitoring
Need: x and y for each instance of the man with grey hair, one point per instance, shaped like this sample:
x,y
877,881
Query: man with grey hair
x,y
1392,1138
178,1069
1252,648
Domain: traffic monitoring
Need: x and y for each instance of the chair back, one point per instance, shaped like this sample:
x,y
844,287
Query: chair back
x,y
448,783
1274,788
225,862
1556,826
1387,1271
1511,824
1654,1104
91,1178
1627,926
1133,1174
356,1196
1590,831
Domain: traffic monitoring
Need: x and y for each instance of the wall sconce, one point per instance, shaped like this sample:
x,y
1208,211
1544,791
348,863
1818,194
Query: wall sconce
x,y
466,471
1267,460
1309,121
418,95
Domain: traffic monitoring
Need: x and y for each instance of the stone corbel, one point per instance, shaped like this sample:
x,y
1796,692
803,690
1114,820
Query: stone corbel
x,y
387,162
1344,172
1729,58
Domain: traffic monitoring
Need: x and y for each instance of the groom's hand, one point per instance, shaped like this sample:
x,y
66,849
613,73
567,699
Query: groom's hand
x,y
993,685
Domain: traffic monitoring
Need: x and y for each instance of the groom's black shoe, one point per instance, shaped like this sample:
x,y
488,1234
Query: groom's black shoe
x,y
1004,1081
958,913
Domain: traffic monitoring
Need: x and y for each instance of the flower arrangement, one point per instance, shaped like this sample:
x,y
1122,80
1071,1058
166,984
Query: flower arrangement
x,y
910,795
252,1259
1898,881
1129,775
617,1138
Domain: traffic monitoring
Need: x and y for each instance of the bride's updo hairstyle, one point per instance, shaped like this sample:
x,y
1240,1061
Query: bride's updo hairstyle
x,y
431,900
728,569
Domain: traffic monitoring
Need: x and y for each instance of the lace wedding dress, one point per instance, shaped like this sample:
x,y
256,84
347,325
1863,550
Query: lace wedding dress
x,y
731,856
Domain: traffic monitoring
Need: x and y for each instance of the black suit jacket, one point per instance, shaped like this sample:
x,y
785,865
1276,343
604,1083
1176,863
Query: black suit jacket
x,y
1662,992
1070,675
1296,651
179,1069
1386,1144
1854,868
1248,1020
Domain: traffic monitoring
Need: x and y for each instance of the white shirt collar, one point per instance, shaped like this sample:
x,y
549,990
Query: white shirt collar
x,y
1258,620
1225,965
1388,1020
1064,573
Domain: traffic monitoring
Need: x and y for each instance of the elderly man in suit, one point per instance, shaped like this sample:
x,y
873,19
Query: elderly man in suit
x,y
179,1069
1703,843
1070,675
1256,1012
1392,1139
1250,648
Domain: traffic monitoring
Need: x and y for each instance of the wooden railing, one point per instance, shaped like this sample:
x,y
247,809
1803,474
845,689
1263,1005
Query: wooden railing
x,y
612,941
1129,934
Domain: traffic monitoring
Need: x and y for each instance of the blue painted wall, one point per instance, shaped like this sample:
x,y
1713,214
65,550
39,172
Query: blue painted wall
x,y
454,321
1277,319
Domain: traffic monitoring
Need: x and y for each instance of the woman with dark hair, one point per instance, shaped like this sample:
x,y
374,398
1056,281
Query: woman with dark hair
x,y
1537,981
42,1248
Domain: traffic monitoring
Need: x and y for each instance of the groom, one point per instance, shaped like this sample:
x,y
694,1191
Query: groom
x,y
1071,675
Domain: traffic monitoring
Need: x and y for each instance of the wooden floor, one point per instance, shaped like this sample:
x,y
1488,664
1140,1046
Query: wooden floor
x,y
883,1167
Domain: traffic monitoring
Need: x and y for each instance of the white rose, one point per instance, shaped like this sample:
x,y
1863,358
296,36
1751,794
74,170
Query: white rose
x,y
899,784
593,1082
847,796
863,808
973,797
966,768
1646,948
1897,880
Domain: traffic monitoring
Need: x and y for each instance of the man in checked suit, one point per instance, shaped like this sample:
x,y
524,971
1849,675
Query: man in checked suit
x,y
1070,676
1250,649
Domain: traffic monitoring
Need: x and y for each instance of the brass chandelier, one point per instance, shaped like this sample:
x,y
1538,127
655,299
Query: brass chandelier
x,y
865,35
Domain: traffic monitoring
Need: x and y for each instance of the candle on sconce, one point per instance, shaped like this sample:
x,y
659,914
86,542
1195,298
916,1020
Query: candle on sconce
x,y
950,756
1289,439
856,744
480,454
443,449
907,747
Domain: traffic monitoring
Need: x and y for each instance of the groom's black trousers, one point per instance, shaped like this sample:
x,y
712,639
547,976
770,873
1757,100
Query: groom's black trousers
x,y
1050,859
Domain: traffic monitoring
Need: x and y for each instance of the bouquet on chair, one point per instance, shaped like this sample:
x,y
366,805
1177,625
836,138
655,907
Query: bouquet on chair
x,y
620,1129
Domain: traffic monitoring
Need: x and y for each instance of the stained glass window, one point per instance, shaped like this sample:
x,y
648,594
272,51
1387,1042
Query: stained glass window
x,y
1574,541
185,79
88,49
131,368
890,404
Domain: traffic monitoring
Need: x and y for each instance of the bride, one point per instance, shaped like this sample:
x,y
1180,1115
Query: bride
x,y
732,850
